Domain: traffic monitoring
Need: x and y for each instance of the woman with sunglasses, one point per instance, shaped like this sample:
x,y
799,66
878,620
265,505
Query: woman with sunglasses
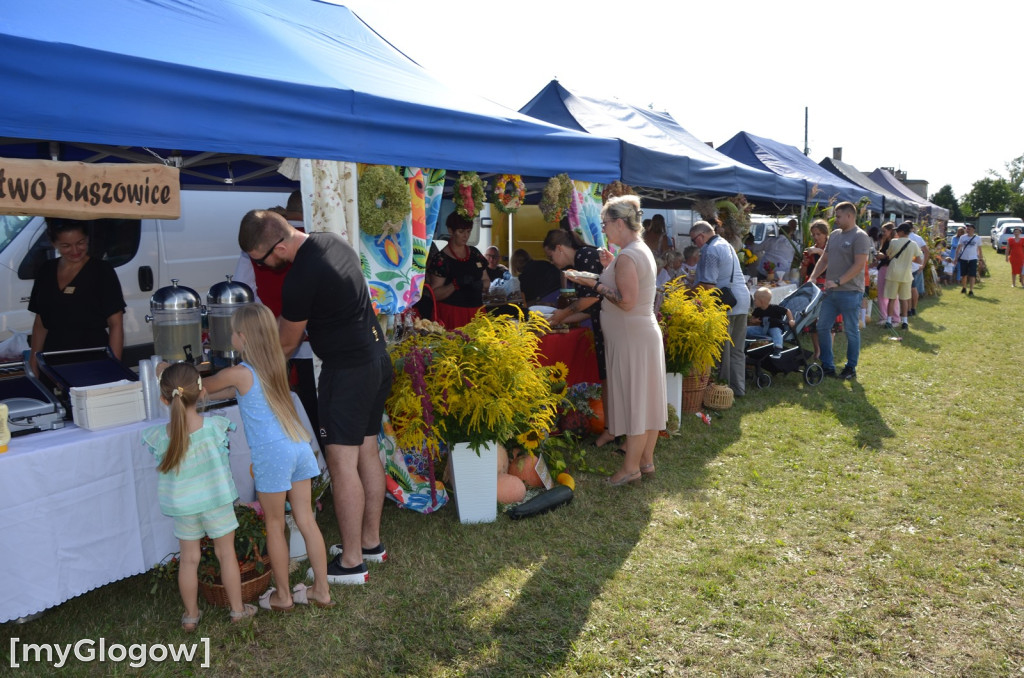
x,y
634,352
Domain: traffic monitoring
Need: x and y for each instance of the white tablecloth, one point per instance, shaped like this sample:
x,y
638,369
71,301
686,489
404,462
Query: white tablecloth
x,y
79,509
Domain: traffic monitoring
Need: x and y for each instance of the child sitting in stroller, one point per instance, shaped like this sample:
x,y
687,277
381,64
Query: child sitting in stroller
x,y
768,320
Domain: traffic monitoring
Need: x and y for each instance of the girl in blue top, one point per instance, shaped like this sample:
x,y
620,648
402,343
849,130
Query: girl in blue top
x,y
282,460
196,488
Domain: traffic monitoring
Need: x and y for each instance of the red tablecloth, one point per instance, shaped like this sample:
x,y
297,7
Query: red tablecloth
x,y
575,348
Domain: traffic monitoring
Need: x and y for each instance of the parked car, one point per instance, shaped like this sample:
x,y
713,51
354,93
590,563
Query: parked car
x,y
1005,233
1000,233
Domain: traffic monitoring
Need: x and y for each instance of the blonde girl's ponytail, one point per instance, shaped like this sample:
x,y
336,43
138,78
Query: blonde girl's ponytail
x,y
180,385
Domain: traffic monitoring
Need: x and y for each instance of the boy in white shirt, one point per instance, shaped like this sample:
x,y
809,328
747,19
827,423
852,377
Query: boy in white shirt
x,y
900,277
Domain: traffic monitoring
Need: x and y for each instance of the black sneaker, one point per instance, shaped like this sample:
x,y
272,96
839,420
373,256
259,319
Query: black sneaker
x,y
848,373
911,312
831,374
337,574
971,293
963,290
903,326
378,554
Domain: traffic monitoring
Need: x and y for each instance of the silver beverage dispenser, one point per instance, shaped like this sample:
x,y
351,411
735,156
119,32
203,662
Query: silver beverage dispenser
x,y
177,316
222,301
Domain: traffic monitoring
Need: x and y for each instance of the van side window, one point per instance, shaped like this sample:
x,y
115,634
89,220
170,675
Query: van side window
x,y
10,226
116,240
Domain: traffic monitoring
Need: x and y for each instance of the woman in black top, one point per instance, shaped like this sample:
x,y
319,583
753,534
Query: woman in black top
x,y
566,250
77,299
457,274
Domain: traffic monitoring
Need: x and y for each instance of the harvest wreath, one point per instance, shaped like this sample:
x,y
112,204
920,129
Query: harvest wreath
x,y
557,196
468,194
384,200
509,201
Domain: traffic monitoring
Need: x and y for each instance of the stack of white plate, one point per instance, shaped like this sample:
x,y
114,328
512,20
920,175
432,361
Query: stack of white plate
x,y
107,405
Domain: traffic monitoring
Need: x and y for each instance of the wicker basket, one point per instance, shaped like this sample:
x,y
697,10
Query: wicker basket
x,y
718,397
253,585
694,386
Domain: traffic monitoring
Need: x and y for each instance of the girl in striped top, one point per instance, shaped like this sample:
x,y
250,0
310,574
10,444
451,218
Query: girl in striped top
x,y
196,488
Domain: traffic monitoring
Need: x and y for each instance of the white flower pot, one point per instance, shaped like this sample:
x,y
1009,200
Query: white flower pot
x,y
296,544
674,390
475,481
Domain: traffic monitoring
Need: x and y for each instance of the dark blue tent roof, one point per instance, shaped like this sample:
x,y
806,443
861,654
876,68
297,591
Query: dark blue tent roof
x,y
788,161
886,179
891,202
657,153
281,78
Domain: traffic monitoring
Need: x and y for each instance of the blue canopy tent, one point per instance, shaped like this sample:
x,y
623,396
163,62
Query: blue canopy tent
x,y
250,78
658,155
892,203
788,161
929,210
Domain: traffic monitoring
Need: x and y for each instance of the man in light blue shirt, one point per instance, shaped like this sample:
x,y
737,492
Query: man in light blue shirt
x,y
719,266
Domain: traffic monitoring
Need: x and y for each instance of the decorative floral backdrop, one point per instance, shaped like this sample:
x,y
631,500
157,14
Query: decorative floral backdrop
x,y
585,213
393,265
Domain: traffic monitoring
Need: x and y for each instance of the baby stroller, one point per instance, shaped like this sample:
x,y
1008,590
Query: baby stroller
x,y
766,361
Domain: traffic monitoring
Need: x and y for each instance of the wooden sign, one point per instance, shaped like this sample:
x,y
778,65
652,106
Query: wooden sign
x,y
79,190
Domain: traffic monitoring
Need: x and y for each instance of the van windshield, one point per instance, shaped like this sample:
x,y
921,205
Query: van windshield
x,y
10,226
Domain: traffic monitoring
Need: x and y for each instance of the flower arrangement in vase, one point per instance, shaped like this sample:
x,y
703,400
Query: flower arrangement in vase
x,y
480,384
581,409
695,327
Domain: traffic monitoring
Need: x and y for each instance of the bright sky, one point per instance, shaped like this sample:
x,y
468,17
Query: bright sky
x,y
907,84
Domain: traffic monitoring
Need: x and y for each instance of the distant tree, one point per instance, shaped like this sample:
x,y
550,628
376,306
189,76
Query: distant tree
x,y
1015,168
988,195
946,198
1018,206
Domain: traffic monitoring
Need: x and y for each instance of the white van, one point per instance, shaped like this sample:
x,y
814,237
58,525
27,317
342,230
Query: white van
x,y
198,249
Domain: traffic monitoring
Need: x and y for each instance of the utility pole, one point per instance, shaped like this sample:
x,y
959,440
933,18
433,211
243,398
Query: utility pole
x,y
807,151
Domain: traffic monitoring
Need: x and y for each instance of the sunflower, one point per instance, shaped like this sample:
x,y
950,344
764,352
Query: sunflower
x,y
530,439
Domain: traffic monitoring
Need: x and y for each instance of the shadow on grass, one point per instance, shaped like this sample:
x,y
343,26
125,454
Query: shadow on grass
x,y
503,598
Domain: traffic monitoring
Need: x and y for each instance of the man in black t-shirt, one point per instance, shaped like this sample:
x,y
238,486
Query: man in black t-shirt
x,y
325,295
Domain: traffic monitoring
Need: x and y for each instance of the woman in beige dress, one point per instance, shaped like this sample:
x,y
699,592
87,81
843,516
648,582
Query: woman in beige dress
x,y
634,353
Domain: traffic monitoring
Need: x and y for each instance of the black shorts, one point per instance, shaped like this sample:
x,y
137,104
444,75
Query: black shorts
x,y
351,401
969,268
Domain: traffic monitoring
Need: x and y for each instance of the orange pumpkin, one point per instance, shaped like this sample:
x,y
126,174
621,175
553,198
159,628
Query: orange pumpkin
x,y
502,459
524,468
511,490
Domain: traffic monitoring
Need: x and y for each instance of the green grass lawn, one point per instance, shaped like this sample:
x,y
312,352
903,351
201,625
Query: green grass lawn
x,y
863,528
